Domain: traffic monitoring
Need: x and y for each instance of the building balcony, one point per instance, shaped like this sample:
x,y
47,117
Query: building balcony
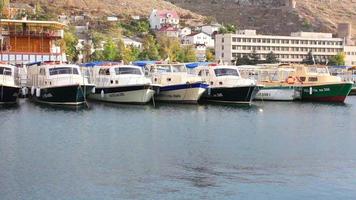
x,y
32,34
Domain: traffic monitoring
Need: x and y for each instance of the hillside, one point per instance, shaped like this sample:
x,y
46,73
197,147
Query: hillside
x,y
273,16
99,8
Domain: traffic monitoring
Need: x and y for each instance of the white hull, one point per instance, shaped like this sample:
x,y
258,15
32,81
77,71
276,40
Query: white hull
x,y
188,95
137,96
278,94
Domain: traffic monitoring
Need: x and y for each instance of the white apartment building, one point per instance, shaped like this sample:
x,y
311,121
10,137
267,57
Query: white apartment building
x,y
199,38
288,49
163,18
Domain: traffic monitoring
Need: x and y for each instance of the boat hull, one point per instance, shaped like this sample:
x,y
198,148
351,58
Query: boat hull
x,y
281,93
138,94
234,95
326,93
182,93
63,95
9,94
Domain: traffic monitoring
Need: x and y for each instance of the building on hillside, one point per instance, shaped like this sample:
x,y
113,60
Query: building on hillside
x,y
136,17
132,42
211,29
184,32
112,19
288,49
23,41
163,18
199,38
63,19
200,50
168,31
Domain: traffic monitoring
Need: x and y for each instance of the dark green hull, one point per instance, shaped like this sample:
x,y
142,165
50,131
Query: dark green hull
x,y
326,93
63,95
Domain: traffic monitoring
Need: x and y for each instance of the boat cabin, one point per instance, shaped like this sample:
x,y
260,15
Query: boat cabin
x,y
217,76
314,74
48,75
8,74
171,74
25,41
115,75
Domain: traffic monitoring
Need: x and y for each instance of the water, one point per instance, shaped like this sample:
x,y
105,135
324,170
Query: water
x,y
269,151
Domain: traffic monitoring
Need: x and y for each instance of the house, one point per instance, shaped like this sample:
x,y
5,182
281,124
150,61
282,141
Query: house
x,y
168,31
112,19
63,19
163,18
184,32
135,17
132,42
211,29
200,50
199,38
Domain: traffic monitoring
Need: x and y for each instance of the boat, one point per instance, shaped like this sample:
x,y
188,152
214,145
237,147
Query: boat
x,y
226,85
319,85
346,73
57,84
275,82
176,84
9,87
120,84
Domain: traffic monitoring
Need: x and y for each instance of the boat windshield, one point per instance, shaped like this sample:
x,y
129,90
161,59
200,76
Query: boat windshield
x,y
63,70
322,70
127,70
5,71
226,72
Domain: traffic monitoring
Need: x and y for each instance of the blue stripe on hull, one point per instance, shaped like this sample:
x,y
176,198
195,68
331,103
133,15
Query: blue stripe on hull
x,y
184,86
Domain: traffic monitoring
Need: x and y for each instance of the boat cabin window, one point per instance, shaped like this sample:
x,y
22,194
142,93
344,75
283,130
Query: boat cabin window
x,y
5,71
313,79
127,70
322,70
104,71
178,68
226,72
203,72
163,68
63,70
42,71
312,70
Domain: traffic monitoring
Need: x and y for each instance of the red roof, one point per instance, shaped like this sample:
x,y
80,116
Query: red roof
x,y
168,28
165,13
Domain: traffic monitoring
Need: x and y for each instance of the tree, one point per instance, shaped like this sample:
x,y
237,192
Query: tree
x,y
309,60
86,51
187,54
150,49
69,44
271,58
209,55
229,28
254,57
110,51
3,5
337,60
97,56
169,48
244,60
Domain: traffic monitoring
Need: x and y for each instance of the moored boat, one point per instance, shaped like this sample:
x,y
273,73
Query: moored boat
x,y
58,84
176,85
121,84
9,88
318,85
226,85
276,86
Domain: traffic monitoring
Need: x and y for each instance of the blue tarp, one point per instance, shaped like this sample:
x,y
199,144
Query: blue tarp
x,y
197,64
98,63
143,63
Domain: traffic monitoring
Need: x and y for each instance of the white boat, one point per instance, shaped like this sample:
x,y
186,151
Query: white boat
x,y
121,84
275,82
226,84
9,87
58,84
176,85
